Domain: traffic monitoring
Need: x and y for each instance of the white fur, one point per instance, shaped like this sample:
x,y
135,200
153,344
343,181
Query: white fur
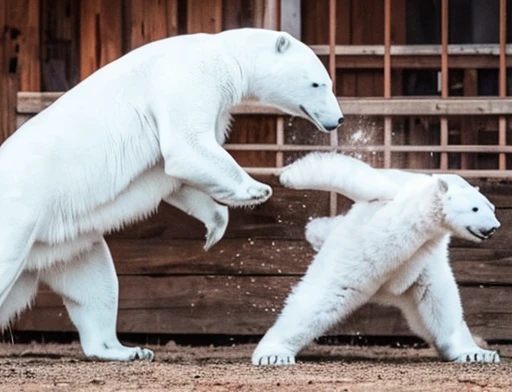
x,y
389,251
145,128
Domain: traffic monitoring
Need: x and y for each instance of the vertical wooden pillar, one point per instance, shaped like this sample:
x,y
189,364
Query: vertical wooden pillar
x,y
387,81
333,202
444,79
502,124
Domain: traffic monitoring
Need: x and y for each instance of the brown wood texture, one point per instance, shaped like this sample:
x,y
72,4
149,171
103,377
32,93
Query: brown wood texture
x,y
204,16
247,305
60,55
33,103
148,21
100,34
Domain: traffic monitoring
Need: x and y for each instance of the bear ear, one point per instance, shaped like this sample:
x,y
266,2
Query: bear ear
x,y
443,185
477,188
282,43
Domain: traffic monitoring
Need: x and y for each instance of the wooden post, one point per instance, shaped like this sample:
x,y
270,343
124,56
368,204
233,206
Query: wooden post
x,y
291,17
444,79
272,14
387,81
333,201
502,124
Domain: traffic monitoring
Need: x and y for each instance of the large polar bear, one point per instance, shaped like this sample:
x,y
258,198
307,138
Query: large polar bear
x,y
390,248
145,128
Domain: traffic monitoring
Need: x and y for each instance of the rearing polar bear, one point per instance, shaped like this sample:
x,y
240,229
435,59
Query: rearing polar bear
x,y
145,128
390,248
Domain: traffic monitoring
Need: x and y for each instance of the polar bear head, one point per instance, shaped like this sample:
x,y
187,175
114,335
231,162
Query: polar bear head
x,y
287,74
468,214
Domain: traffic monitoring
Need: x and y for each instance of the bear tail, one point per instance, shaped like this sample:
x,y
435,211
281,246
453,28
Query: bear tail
x,y
338,173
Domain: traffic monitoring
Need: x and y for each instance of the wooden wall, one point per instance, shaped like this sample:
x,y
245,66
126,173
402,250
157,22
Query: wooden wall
x,y
168,283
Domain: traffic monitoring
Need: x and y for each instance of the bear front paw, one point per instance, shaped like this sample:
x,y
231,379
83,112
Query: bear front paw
x,y
273,360
481,356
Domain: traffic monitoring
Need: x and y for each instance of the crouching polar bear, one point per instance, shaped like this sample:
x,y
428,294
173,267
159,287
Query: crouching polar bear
x,y
391,248
145,128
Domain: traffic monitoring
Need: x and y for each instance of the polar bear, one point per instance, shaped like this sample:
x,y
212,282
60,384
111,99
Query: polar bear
x,y
145,128
391,248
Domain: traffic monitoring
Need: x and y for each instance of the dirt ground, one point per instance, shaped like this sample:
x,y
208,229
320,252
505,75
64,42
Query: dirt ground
x,y
62,367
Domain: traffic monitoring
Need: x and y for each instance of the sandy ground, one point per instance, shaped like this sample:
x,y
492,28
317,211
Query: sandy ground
x,y
54,367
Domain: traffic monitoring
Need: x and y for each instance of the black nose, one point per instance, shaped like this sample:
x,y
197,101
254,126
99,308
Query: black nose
x,y
340,120
488,233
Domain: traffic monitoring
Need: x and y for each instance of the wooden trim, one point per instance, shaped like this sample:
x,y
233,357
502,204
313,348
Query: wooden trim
x,y
413,50
34,102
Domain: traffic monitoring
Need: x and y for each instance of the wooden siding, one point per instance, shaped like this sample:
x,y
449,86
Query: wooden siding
x,y
168,283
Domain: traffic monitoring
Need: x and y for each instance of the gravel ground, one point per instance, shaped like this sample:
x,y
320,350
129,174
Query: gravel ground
x,y
62,367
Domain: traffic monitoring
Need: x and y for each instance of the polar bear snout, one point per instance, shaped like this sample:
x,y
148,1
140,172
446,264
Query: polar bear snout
x,y
488,232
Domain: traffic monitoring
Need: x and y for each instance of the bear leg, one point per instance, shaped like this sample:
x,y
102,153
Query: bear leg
x,y
317,303
89,288
201,206
198,160
433,310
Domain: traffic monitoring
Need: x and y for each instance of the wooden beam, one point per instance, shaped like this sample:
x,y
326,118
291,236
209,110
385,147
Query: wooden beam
x,y
502,124
492,50
32,103
272,14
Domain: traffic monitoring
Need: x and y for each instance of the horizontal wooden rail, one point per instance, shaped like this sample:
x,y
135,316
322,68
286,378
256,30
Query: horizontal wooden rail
x,y
488,149
505,174
412,50
34,102
416,56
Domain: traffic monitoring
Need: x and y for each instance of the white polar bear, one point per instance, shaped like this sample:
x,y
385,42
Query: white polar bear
x,y
145,128
391,248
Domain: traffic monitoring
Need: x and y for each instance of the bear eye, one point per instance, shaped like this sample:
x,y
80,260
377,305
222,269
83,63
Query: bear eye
x,y
475,209
315,85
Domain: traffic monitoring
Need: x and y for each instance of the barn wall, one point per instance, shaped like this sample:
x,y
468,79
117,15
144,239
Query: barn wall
x,y
168,283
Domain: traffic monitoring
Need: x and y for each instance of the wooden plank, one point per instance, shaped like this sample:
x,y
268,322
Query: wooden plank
x,y
426,106
248,306
29,50
148,21
100,34
271,14
492,50
282,217
204,16
12,27
89,58
491,264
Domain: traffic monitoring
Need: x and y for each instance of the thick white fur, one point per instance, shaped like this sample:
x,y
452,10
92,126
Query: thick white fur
x,y
390,248
145,128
